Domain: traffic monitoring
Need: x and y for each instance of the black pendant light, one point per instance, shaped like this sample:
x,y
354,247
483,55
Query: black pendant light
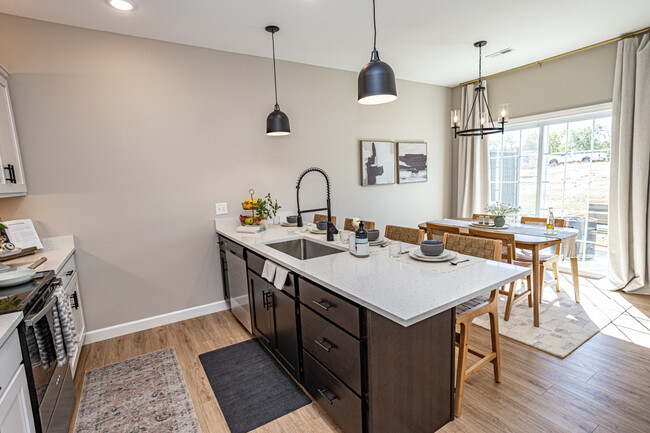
x,y
376,79
277,123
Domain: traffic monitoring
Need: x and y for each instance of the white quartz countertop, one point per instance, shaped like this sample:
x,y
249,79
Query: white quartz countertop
x,y
8,322
403,292
57,250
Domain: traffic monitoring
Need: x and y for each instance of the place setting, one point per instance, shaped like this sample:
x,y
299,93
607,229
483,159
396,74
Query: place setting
x,y
433,252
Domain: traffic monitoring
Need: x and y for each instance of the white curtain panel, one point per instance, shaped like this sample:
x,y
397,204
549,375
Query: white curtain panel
x,y
629,217
473,178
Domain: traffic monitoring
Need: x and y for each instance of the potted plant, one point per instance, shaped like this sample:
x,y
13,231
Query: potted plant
x,y
500,210
267,207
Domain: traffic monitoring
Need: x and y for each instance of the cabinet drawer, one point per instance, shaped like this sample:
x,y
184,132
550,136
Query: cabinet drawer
x,y
335,349
256,264
67,272
10,359
335,308
335,398
233,247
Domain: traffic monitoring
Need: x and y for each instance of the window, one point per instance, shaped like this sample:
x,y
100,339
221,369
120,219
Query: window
x,y
559,162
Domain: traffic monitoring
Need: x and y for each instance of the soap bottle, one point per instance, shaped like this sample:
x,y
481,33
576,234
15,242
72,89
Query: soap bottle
x,y
361,239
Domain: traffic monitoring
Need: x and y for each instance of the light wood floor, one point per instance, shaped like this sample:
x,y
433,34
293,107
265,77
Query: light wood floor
x,y
604,386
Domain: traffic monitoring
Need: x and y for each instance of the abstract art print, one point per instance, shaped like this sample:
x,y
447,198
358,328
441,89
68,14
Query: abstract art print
x,y
412,162
377,162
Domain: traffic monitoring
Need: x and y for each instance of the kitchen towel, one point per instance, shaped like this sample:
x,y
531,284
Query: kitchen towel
x,y
65,333
280,277
268,272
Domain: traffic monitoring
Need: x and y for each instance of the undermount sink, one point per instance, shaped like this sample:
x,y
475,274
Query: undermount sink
x,y
303,249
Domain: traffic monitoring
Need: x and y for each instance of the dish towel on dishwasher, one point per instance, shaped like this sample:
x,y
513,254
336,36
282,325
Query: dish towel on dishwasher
x,y
65,334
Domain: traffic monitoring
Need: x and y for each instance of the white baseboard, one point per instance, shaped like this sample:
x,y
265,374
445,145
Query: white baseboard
x,y
152,322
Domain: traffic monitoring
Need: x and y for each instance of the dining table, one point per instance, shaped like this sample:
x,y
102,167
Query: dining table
x,y
534,238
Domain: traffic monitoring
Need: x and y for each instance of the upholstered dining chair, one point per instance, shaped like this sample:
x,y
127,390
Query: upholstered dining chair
x,y
368,225
404,234
507,256
437,231
466,312
545,260
321,217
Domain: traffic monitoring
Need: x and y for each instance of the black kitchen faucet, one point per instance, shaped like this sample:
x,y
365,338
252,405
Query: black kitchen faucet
x,y
331,228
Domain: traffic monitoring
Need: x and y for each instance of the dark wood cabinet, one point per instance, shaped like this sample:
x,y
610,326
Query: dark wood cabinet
x,y
261,294
274,320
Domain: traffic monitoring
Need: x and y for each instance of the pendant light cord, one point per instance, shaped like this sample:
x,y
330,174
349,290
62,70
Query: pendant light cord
x,y
374,25
480,57
275,80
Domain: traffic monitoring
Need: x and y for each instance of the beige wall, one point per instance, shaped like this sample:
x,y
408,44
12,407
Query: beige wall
x,y
578,80
128,143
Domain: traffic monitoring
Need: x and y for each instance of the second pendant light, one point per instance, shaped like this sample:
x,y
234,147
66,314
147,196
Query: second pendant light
x,y
376,79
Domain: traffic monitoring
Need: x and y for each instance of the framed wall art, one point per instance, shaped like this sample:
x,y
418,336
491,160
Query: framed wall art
x,y
377,162
412,161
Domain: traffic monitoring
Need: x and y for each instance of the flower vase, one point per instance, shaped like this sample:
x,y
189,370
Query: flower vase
x,y
499,221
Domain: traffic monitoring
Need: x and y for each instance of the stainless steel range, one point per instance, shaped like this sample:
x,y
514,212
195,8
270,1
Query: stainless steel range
x,y
51,388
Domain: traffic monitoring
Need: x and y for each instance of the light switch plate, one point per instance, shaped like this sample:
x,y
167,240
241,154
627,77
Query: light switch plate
x,y
221,208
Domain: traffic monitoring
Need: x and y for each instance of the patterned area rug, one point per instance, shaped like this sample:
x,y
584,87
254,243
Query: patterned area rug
x,y
142,394
564,325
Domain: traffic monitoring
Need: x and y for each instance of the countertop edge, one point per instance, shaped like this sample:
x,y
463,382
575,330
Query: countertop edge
x,y
7,328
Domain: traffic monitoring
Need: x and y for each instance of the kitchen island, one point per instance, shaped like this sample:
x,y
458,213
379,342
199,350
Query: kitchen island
x,y
375,336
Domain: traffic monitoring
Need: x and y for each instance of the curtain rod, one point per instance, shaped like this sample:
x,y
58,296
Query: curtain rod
x,y
539,62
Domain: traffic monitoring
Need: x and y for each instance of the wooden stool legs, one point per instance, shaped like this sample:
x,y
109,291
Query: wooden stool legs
x,y
462,372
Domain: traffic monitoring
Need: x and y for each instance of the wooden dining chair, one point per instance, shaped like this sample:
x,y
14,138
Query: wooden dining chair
x,y
368,225
545,260
468,311
321,217
508,256
437,231
404,234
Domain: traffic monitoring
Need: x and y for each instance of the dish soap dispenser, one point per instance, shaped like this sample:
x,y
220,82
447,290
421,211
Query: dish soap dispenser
x,y
361,242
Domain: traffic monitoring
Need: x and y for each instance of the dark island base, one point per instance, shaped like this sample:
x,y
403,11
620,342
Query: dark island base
x,y
410,374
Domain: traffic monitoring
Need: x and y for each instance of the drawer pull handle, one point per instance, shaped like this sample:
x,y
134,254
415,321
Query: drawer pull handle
x,y
69,273
75,301
323,304
325,344
323,391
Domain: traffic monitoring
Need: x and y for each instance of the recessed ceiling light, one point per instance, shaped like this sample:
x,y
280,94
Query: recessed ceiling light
x,y
123,5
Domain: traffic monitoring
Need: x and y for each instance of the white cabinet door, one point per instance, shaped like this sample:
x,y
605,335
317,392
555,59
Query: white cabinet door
x,y
12,178
72,290
15,408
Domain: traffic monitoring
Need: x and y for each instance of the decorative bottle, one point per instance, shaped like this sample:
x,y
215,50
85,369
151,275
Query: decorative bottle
x,y
361,239
550,221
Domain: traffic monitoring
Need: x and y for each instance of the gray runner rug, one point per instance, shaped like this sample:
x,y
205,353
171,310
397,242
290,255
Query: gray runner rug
x,y
251,387
146,393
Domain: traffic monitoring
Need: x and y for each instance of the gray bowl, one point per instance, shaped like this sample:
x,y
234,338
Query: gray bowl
x,y
373,234
321,225
292,219
432,248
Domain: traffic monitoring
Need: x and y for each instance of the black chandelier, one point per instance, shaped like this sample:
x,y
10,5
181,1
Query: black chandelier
x,y
277,123
480,103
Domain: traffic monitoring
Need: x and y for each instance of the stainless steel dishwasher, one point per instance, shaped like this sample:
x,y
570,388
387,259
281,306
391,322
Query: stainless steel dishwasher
x,y
237,282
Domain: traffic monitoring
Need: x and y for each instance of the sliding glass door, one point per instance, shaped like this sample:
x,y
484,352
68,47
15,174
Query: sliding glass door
x,y
561,164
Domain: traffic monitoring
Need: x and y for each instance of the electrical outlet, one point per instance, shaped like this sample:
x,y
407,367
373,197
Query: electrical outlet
x,y
221,208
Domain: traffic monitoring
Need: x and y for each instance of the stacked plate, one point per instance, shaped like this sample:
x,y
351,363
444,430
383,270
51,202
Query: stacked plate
x,y
378,242
286,224
446,255
316,231
488,226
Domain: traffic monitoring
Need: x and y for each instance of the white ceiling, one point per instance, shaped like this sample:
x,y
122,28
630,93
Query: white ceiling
x,y
428,41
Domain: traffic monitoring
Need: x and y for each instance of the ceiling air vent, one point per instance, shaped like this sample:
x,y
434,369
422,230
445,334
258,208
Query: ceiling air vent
x,y
499,53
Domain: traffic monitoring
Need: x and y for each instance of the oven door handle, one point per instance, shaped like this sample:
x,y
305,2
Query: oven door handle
x,y
33,318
